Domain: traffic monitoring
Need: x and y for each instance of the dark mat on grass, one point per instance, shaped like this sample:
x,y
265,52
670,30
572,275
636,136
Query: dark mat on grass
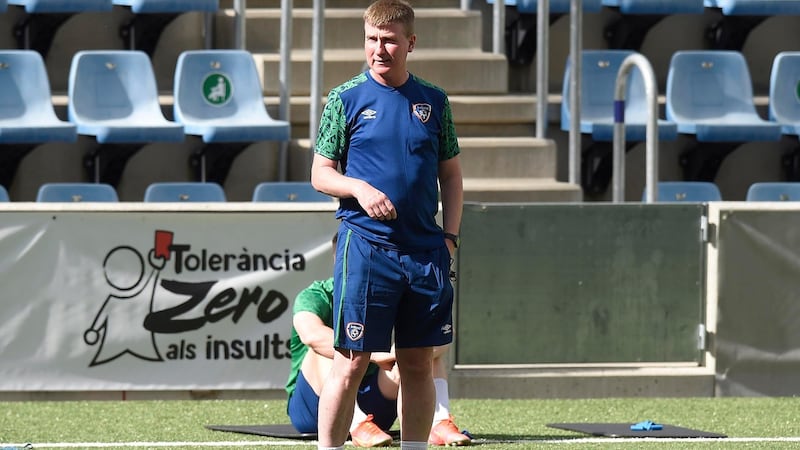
x,y
283,431
624,430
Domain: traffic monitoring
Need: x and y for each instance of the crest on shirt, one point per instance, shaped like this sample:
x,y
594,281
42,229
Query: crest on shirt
x,y
422,111
355,331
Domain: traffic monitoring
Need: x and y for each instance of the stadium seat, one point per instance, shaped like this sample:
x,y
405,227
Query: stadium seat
x,y
637,17
784,92
556,6
710,97
773,192
112,95
755,7
184,192
520,25
26,112
37,27
665,7
62,6
27,117
288,191
740,17
168,6
4,194
599,74
218,97
76,192
686,191
151,17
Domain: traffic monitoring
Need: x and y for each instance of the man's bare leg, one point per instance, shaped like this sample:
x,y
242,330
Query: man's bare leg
x,y
418,398
338,396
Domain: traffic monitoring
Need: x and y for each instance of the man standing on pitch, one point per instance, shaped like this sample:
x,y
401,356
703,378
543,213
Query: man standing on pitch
x,y
392,133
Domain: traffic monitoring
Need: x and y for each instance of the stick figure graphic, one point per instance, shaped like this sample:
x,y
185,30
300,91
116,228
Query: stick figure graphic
x,y
119,324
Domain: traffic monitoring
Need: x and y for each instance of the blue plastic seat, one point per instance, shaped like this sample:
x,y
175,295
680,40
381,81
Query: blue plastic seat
x,y
62,6
112,95
218,96
687,191
184,192
755,7
76,192
288,191
665,7
599,73
556,6
779,191
4,194
26,111
784,92
710,95
168,6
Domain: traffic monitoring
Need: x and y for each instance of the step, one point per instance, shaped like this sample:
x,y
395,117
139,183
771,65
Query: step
x,y
651,380
478,72
509,157
344,28
520,190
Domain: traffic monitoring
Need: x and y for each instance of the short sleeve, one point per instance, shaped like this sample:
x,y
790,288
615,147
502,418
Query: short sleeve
x,y
332,129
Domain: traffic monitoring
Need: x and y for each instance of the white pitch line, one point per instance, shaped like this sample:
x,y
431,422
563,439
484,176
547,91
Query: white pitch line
x,y
295,443
160,444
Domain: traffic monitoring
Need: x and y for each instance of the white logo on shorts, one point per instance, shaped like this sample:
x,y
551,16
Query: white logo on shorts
x,y
447,329
355,331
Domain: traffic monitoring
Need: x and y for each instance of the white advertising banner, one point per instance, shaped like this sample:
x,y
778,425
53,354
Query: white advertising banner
x,y
152,300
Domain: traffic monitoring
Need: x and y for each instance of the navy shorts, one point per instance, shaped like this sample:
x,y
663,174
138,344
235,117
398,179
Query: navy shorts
x,y
303,407
379,290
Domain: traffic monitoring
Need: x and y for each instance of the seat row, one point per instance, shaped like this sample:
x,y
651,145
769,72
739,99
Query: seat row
x,y
268,191
727,7
113,97
704,191
709,99
137,6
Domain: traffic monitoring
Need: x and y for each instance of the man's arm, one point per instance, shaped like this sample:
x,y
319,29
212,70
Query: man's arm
x,y
314,333
319,338
452,187
326,178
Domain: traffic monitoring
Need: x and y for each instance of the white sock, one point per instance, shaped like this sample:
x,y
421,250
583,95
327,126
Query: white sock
x,y
442,411
358,417
411,445
341,447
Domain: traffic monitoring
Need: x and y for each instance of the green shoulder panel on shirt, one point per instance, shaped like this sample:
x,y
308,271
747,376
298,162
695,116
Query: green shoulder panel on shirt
x,y
448,140
333,123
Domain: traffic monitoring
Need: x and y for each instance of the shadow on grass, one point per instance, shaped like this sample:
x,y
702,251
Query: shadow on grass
x,y
520,438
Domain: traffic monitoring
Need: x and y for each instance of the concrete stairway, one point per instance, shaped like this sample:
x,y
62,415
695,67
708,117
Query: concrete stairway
x,y
502,161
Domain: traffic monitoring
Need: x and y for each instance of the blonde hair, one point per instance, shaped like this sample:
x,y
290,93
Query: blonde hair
x,y
386,12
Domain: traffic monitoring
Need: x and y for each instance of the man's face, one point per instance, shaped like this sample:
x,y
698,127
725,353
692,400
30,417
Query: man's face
x,y
386,49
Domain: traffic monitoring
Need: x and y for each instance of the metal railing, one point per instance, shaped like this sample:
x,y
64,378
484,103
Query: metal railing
x,y
651,163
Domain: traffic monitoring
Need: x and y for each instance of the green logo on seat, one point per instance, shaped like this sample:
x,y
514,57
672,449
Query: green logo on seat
x,y
217,89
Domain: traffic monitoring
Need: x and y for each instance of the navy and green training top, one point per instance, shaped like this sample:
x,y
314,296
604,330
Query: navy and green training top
x,y
394,139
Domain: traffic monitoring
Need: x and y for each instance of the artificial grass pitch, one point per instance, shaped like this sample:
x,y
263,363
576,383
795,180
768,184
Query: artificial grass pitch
x,y
283,431
629,430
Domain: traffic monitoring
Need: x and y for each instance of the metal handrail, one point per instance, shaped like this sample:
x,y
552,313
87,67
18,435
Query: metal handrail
x,y
576,51
285,82
651,164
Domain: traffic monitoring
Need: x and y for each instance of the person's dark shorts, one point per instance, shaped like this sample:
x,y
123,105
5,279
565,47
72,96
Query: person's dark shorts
x,y
303,407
